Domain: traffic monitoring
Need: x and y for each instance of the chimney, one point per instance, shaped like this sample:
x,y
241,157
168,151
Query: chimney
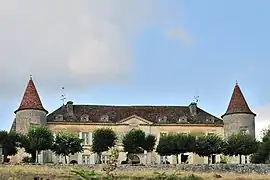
x,y
193,108
70,109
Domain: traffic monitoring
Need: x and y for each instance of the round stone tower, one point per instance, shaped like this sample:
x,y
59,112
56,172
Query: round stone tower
x,y
30,111
238,117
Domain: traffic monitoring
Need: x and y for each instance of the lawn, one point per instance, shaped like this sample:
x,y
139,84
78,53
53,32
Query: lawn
x,y
66,172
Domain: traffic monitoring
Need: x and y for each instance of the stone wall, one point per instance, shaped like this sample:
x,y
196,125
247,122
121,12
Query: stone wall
x,y
217,168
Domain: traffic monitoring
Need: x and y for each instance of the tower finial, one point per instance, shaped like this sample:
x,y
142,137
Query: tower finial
x,y
236,83
31,76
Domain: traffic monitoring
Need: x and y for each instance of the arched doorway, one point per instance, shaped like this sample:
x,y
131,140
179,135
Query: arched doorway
x,y
133,159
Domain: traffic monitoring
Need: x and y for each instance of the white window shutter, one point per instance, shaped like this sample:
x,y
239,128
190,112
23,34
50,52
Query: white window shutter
x,y
80,136
90,138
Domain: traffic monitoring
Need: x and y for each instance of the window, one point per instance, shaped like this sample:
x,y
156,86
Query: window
x,y
163,159
182,119
162,119
86,138
244,130
104,159
86,159
104,118
59,117
85,118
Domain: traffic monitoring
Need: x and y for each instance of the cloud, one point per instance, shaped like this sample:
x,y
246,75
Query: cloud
x,y
263,119
180,34
67,42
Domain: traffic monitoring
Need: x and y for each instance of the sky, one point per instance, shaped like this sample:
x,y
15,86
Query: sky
x,y
150,52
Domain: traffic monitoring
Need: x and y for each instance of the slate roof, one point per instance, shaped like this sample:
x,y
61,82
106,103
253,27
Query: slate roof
x,y
238,103
31,98
118,113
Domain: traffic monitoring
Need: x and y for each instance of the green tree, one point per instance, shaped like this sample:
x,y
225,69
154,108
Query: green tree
x,y
103,139
67,143
9,143
149,142
240,144
208,145
149,145
133,141
37,139
183,143
262,155
166,146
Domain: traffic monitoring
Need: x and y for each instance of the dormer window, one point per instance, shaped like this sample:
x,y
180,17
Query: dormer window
x,y
59,117
104,118
182,119
162,119
84,118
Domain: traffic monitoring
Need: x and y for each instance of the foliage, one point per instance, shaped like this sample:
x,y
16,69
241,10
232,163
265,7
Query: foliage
x,y
86,174
67,143
27,159
149,142
207,145
9,143
165,146
37,139
223,159
262,155
133,141
103,139
183,143
90,174
240,144
113,154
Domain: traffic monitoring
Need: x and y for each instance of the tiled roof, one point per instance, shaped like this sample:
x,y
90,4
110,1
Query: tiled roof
x,y
238,103
31,98
118,113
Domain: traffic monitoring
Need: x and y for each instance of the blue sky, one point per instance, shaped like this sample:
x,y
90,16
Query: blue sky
x,y
215,43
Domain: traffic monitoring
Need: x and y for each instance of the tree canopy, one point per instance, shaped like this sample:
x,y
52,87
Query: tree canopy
x,y
208,145
67,143
134,141
103,139
240,144
37,139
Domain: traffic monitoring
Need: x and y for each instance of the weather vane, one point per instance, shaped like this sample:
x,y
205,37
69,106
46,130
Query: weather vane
x,y
63,96
196,98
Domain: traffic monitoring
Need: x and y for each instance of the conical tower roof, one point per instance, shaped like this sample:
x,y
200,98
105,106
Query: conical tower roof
x,y
238,103
31,98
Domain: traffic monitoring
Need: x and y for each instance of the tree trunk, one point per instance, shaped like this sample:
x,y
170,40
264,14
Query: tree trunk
x,y
5,157
149,157
65,159
177,158
209,156
33,155
240,159
99,157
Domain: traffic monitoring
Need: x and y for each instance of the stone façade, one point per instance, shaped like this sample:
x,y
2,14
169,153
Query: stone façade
x,y
151,119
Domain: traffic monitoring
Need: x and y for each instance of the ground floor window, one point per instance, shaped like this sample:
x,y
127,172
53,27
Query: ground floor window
x,y
104,159
184,158
164,160
86,159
